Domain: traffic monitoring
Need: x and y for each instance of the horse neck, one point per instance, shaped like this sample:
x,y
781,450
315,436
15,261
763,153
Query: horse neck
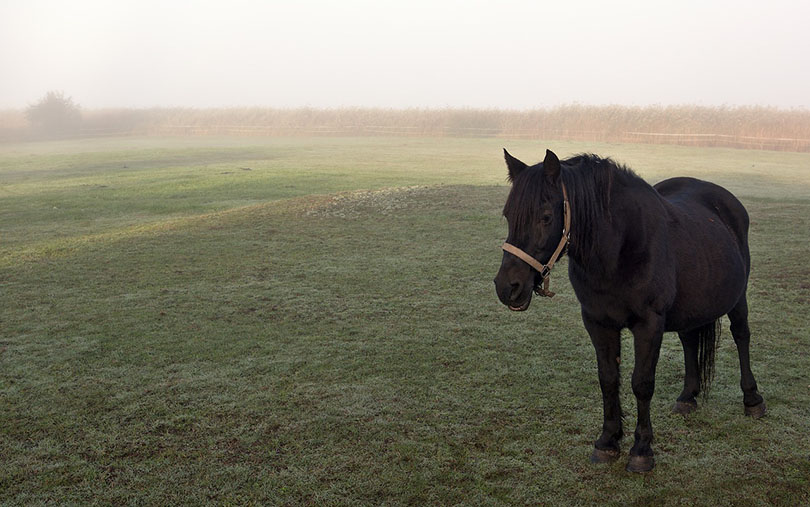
x,y
596,246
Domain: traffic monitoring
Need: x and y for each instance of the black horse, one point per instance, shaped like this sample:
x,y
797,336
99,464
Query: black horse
x,y
673,257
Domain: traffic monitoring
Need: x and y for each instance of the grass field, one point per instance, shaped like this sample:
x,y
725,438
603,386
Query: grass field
x,y
288,321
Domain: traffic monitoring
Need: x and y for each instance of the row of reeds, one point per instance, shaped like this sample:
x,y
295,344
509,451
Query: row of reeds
x,y
745,127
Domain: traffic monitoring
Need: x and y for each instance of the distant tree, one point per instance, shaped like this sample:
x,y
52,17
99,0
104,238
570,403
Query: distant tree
x,y
54,114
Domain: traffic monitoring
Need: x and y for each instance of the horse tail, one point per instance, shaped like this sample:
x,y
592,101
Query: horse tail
x,y
708,337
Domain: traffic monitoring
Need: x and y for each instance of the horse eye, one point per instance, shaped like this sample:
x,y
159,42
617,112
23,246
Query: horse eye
x,y
546,219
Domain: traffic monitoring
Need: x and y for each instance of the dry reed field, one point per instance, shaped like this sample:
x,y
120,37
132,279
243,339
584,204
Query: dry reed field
x,y
750,127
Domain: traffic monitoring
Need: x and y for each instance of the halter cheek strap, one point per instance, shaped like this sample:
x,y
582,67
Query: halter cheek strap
x,y
545,269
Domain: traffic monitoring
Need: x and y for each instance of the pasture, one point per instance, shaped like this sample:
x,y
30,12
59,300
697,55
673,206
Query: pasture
x,y
313,320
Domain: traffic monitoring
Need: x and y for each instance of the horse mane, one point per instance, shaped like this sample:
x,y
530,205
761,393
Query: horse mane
x,y
589,180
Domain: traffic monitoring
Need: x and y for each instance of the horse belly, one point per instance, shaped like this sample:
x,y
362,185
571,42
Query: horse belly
x,y
711,278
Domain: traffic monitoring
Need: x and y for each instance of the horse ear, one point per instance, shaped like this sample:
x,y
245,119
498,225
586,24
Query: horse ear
x,y
514,165
551,166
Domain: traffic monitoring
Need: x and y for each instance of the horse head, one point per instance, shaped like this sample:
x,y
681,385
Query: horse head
x,y
537,215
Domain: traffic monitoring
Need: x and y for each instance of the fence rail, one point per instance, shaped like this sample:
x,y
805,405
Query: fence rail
x,y
689,139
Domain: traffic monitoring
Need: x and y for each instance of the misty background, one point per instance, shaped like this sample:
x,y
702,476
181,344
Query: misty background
x,y
415,54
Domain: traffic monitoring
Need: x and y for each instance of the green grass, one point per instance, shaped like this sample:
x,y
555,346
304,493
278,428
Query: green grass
x,y
323,328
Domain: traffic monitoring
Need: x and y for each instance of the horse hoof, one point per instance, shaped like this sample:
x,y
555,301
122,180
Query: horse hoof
x,y
756,411
604,456
684,407
640,464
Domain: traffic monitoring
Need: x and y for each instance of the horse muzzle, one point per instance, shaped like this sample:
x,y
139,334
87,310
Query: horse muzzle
x,y
516,295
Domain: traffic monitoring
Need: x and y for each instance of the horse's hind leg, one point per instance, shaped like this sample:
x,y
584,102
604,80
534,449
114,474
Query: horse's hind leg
x,y
753,401
687,401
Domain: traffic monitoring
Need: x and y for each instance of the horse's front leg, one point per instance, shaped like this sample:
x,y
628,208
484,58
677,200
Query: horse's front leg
x,y
607,342
647,335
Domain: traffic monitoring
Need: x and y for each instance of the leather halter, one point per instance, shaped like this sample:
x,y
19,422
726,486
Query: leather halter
x,y
545,269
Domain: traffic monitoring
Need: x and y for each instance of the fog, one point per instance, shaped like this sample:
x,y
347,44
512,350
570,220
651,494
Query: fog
x,y
403,54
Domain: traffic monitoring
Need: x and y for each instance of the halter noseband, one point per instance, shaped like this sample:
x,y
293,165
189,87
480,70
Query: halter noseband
x,y
545,269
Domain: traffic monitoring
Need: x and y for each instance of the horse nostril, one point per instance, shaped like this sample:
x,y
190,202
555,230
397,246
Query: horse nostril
x,y
517,288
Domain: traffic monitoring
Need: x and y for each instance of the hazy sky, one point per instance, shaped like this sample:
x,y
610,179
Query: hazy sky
x,y
409,53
